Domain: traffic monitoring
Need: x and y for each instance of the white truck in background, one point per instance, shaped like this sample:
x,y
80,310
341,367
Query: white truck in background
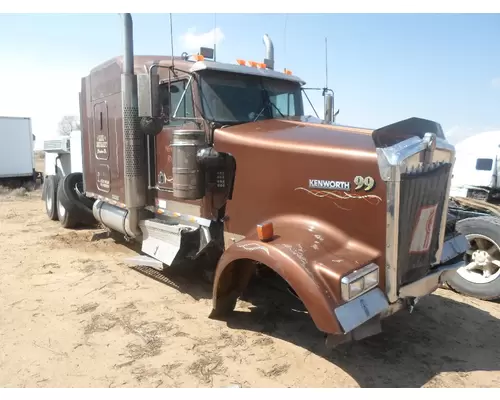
x,y
17,158
475,201
477,171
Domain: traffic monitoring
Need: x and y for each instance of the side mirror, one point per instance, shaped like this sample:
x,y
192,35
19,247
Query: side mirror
x,y
149,102
148,94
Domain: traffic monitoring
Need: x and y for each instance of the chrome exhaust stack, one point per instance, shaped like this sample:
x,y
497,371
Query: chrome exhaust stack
x,y
133,140
269,60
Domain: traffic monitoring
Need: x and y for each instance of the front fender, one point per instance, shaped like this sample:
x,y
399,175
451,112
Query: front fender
x,y
309,255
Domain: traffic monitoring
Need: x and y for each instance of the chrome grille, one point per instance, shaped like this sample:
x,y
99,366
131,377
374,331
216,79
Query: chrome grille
x,y
423,193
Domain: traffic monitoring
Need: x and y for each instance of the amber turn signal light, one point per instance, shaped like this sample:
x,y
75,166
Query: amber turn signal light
x,y
265,231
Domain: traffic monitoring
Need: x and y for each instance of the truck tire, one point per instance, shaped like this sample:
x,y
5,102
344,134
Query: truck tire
x,y
73,207
480,277
68,219
50,196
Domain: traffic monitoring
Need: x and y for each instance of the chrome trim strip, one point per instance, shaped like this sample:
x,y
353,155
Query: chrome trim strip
x,y
182,217
446,147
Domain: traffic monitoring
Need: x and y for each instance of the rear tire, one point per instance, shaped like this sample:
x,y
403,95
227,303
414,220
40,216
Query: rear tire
x,y
50,195
480,277
67,219
74,207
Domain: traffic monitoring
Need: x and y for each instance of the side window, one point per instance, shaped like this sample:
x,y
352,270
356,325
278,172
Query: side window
x,y
285,103
484,164
185,109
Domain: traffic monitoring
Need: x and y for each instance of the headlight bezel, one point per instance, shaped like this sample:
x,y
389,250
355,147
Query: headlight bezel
x,y
359,275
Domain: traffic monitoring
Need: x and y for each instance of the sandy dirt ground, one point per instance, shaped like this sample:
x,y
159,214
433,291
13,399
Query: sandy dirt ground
x,y
72,314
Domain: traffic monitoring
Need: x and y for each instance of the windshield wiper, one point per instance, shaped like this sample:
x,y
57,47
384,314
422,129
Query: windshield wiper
x,y
267,102
275,107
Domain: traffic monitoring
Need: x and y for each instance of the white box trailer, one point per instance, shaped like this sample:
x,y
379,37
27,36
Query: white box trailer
x,y
17,159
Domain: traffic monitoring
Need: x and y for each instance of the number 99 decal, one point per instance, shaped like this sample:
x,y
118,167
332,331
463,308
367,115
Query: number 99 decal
x,y
364,182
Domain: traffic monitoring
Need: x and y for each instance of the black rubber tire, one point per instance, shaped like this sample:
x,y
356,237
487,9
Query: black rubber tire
x,y
486,226
68,218
77,207
50,188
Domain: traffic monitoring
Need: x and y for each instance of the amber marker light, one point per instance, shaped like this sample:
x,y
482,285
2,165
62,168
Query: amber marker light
x,y
265,231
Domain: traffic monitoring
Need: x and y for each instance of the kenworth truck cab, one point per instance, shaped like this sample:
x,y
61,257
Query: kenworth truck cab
x,y
195,158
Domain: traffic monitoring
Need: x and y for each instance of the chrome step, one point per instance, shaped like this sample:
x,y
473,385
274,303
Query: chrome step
x,y
162,240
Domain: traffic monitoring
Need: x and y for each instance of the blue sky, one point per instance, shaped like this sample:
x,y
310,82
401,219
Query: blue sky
x,y
382,67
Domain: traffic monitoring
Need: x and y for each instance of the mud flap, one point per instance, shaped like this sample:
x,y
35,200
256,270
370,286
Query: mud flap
x,y
359,318
361,309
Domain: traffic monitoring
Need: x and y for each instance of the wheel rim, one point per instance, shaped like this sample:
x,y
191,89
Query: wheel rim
x,y
61,210
482,260
48,201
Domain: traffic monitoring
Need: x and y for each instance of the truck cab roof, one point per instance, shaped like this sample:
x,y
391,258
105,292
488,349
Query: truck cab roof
x,y
143,62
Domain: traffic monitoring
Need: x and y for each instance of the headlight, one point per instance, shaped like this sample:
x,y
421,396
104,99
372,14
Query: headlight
x,y
359,281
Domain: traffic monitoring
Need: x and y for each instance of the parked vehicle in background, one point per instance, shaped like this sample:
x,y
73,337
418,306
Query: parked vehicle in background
x,y
203,160
475,202
17,158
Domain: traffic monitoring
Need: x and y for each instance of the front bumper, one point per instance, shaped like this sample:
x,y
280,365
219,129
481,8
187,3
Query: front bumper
x,y
453,249
374,303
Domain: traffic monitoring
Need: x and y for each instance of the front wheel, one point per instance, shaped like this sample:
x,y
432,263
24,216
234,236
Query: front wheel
x,y
480,276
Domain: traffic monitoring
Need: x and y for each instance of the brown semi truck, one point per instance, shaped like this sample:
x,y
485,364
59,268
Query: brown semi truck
x,y
197,159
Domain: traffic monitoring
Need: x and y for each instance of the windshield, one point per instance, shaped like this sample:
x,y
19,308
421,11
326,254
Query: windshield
x,y
229,97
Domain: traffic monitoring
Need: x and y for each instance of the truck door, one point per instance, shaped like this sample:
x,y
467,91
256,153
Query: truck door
x,y
171,98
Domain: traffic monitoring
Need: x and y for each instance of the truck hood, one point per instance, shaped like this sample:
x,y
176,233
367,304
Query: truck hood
x,y
298,167
303,135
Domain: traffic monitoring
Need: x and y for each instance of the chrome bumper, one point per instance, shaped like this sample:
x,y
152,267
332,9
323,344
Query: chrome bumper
x,y
429,283
452,248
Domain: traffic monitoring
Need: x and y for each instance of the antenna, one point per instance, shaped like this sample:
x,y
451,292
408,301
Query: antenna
x,y
284,37
172,39
215,37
